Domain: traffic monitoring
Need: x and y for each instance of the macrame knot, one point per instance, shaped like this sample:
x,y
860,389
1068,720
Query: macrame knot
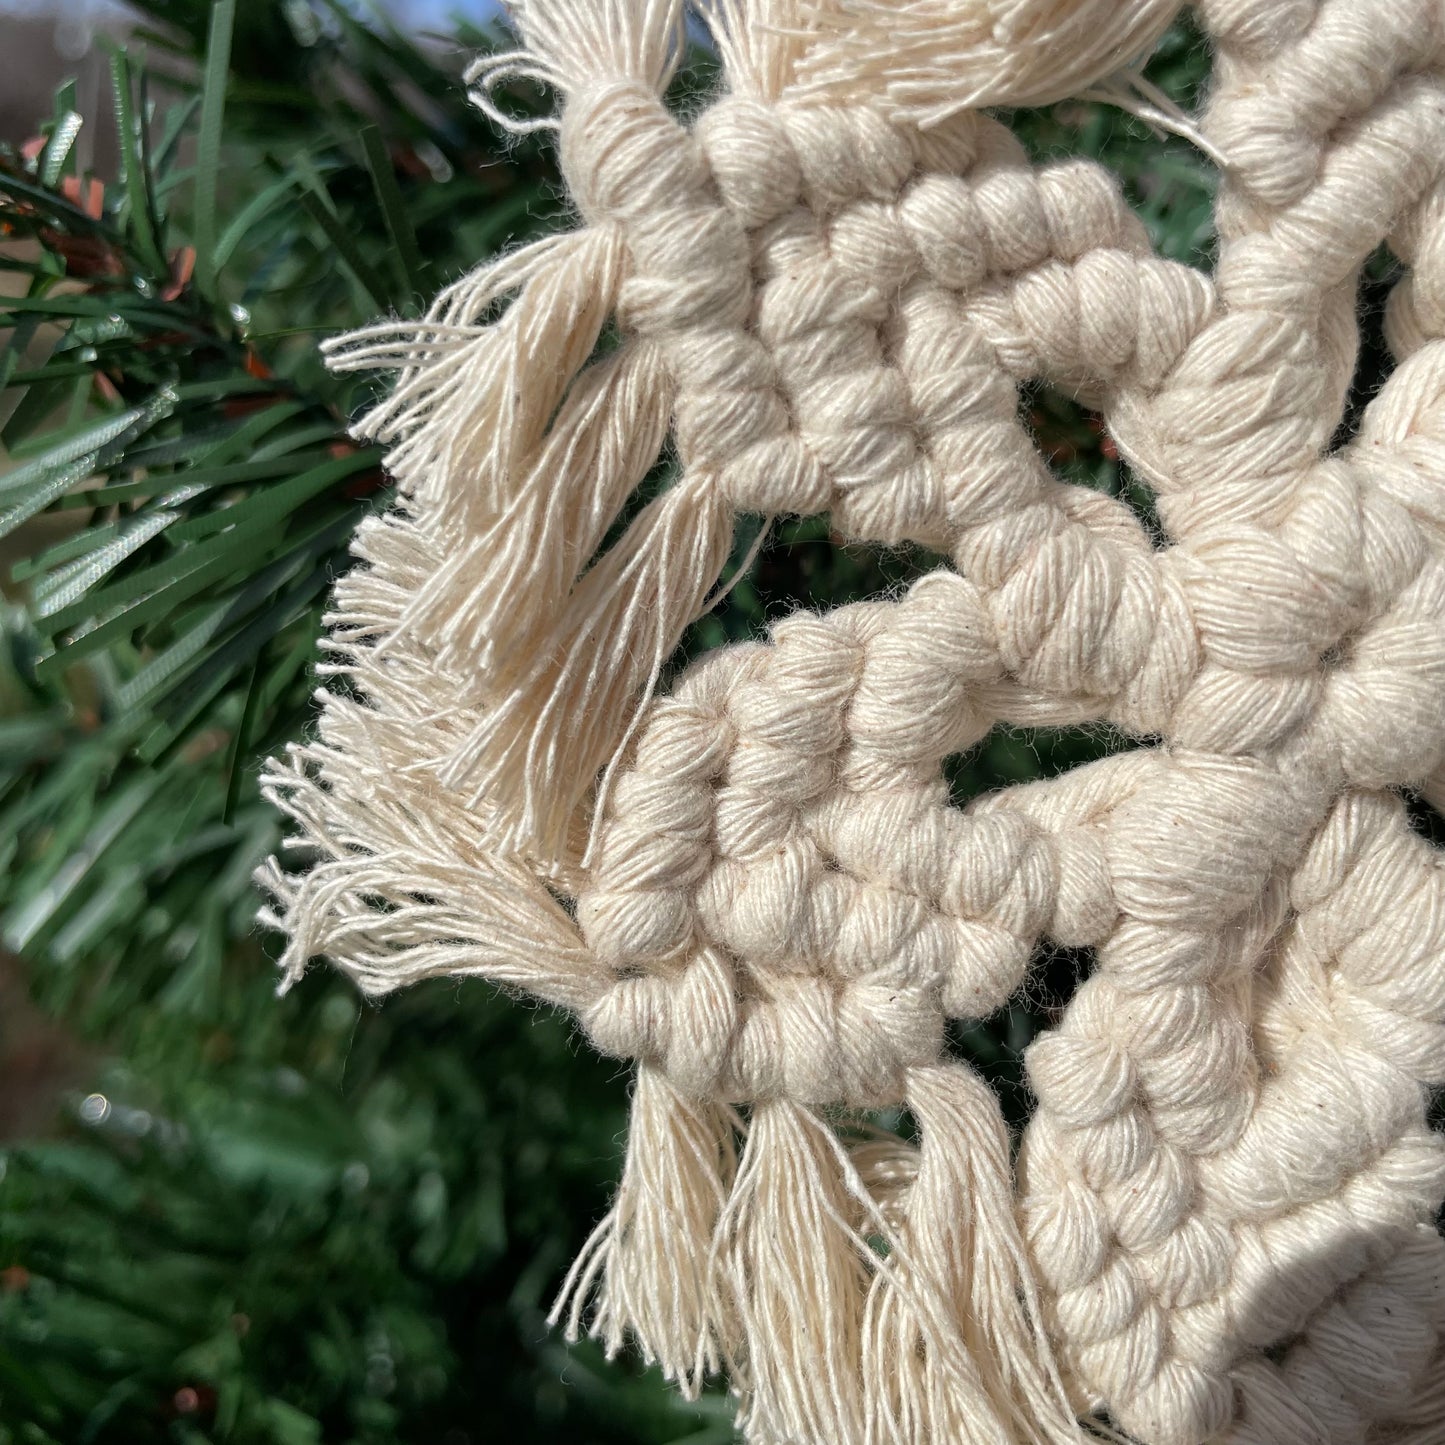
x,y
747,879
835,291
625,156
751,159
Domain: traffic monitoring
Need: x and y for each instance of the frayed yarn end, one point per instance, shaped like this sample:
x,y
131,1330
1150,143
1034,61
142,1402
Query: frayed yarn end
x,y
933,58
851,1290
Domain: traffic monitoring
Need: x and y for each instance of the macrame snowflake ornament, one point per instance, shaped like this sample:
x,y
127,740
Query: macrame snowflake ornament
x,y
823,294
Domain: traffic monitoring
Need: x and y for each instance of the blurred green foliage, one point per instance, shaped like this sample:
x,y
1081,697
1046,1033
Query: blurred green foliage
x,y
313,1221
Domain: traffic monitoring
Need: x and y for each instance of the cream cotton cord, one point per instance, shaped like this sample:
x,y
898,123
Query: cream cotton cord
x,y
823,294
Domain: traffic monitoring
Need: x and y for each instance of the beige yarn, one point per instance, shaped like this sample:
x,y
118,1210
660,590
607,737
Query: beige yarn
x,y
827,291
